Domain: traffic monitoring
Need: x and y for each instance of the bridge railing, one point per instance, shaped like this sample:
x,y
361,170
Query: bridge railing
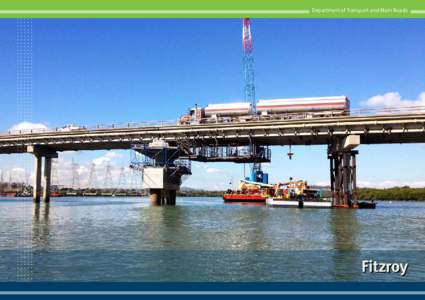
x,y
412,109
369,111
72,128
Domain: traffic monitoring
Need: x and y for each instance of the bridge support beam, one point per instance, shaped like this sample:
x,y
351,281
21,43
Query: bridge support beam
x,y
47,178
343,175
162,171
48,154
163,184
36,189
162,197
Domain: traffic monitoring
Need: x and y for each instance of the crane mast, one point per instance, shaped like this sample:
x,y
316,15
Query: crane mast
x,y
249,90
248,63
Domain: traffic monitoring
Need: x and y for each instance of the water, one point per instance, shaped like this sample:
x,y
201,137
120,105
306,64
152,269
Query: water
x,y
203,239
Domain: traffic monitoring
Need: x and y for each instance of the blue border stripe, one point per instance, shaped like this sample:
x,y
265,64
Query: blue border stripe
x,y
196,286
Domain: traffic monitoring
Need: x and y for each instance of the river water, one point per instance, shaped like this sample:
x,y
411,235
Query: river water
x,y
203,239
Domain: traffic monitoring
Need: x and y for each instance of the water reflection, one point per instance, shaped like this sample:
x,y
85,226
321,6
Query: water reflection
x,y
40,226
202,228
345,229
213,241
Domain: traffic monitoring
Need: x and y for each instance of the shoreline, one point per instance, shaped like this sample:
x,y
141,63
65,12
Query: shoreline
x,y
368,194
363,194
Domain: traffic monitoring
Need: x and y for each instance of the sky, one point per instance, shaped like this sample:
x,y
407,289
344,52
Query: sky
x,y
104,71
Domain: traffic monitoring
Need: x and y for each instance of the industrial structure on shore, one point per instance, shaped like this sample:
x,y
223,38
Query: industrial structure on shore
x,y
125,183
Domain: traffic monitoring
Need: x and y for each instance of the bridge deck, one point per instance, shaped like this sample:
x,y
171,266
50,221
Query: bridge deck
x,y
403,128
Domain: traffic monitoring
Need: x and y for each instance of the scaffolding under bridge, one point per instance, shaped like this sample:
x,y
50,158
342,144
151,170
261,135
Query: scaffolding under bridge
x,y
145,156
236,154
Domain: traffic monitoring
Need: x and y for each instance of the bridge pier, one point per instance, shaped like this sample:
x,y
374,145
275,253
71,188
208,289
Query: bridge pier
x,y
39,154
162,171
163,184
162,197
47,178
36,190
343,175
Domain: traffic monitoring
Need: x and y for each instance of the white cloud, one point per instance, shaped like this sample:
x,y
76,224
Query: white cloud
x,y
82,169
28,126
381,184
128,177
107,158
69,153
112,154
394,100
213,170
101,160
391,183
14,174
322,183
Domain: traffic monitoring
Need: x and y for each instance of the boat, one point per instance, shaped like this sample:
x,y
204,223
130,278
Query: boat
x,y
134,193
249,191
9,194
298,194
120,194
299,203
24,194
366,205
239,197
90,194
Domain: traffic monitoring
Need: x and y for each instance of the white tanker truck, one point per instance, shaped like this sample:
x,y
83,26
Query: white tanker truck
x,y
272,109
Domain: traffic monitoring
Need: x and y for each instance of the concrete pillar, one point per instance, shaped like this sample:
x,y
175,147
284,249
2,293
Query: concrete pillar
x,y
171,197
37,179
40,152
354,179
155,196
162,197
47,178
346,182
162,182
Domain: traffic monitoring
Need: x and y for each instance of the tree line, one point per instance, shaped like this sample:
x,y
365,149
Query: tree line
x,y
394,193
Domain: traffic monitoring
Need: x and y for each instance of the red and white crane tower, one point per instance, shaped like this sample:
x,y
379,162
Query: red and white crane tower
x,y
249,90
248,62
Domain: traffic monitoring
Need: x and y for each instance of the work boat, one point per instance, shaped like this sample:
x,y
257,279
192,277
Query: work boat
x,y
298,194
252,189
249,191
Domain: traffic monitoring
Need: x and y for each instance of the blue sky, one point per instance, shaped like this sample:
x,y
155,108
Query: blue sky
x,y
111,71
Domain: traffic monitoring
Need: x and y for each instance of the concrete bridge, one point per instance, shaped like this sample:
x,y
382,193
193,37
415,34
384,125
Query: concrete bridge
x,y
341,134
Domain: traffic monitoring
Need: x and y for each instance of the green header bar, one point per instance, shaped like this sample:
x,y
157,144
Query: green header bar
x,y
212,8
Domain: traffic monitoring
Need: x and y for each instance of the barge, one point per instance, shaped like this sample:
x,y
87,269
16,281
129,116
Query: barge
x,y
238,197
299,203
298,194
294,193
250,192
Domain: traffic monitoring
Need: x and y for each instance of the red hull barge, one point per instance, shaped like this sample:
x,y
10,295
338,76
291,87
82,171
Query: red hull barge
x,y
9,194
244,198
